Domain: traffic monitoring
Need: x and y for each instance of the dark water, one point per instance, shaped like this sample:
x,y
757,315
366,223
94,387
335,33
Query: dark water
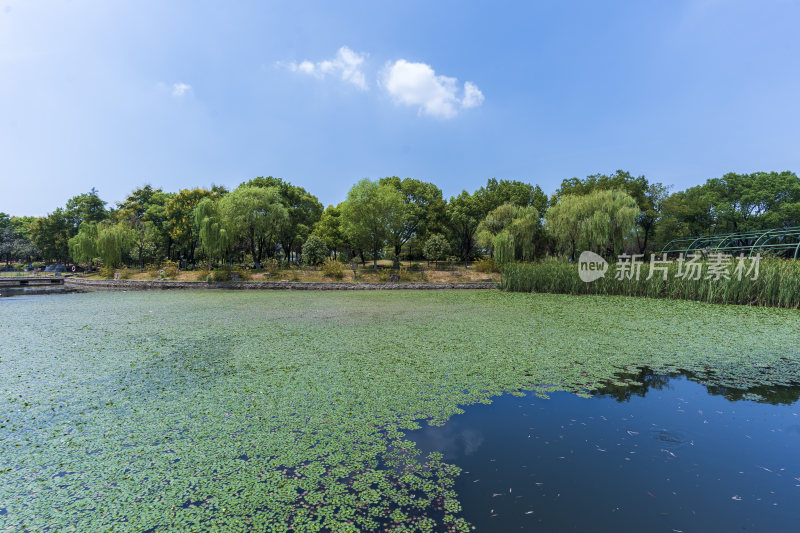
x,y
671,456
6,292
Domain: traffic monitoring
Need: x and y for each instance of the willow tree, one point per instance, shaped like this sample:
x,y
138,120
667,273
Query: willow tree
x,y
504,247
254,215
83,246
526,229
599,221
211,230
513,228
113,240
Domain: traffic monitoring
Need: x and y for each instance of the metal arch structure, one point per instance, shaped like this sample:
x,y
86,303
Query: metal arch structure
x,y
779,242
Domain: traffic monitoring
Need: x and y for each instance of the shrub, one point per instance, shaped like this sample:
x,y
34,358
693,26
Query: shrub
x,y
333,269
314,251
171,269
243,273
415,267
107,272
222,274
485,265
436,247
272,266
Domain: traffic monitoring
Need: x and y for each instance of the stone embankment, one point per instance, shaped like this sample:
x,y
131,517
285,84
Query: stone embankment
x,y
131,285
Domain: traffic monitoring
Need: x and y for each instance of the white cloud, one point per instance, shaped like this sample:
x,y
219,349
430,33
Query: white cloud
x,y
346,65
418,85
473,97
180,89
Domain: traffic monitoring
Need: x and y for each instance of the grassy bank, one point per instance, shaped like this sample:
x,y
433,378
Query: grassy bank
x,y
777,285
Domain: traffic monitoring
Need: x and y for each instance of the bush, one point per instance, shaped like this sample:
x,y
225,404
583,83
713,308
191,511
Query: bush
x,y
107,272
243,273
485,265
314,251
333,269
272,266
415,267
222,274
436,247
171,269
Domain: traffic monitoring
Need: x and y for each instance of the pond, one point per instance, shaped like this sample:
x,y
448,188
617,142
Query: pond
x,y
7,292
670,455
308,411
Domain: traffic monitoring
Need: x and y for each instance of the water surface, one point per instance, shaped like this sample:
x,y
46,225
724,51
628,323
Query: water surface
x,y
669,456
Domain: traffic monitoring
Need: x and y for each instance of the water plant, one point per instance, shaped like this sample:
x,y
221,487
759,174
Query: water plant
x,y
286,411
777,284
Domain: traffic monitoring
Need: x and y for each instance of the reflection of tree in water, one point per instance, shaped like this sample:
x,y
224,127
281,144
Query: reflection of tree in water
x,y
645,379
637,384
772,394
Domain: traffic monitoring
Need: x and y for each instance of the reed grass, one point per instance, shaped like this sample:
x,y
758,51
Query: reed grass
x,y
777,284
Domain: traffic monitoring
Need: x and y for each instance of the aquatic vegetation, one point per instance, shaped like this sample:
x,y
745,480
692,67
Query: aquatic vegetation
x,y
281,411
777,284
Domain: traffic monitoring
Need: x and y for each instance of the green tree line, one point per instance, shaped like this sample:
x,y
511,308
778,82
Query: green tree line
x,y
269,218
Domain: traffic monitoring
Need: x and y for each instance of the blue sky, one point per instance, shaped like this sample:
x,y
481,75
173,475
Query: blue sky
x,y
118,94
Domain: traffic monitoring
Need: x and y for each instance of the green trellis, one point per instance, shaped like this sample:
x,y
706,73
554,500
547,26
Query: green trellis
x,y
782,242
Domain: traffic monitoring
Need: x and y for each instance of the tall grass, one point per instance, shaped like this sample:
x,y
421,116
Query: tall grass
x,y
777,285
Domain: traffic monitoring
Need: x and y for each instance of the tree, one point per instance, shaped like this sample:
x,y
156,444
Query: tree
x,y
329,229
136,204
143,241
436,247
86,207
7,242
314,250
504,245
83,246
516,230
178,216
464,213
51,235
493,225
113,241
743,202
424,211
734,202
499,192
211,228
649,197
303,210
155,213
14,243
254,215
599,221
370,213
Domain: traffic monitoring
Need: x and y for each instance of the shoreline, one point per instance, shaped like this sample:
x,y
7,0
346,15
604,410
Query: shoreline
x,y
271,285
